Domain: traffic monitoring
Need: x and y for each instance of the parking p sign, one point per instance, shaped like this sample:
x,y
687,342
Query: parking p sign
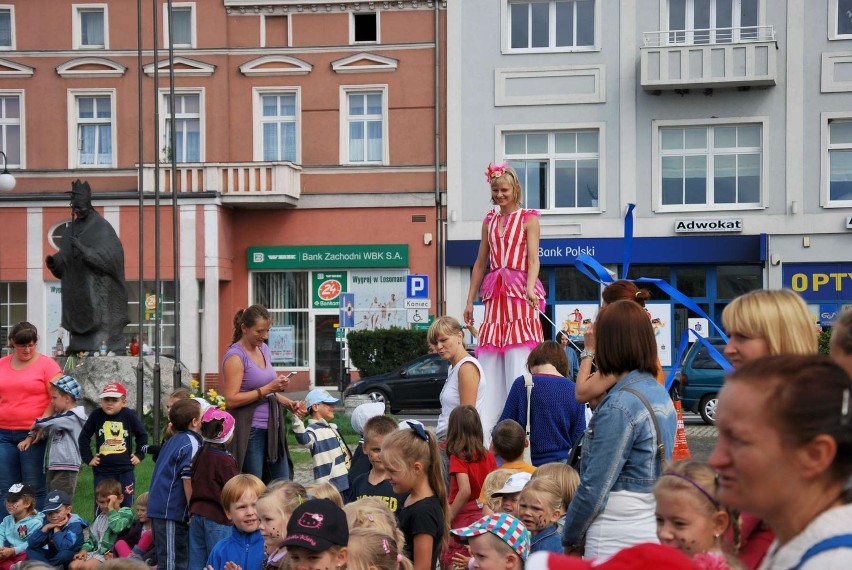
x,y
417,286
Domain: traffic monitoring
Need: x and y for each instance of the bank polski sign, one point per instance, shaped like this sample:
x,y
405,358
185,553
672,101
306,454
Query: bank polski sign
x,y
699,225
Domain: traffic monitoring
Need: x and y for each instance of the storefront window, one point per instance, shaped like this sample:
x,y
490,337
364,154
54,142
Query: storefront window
x,y
167,316
286,295
735,280
571,285
691,281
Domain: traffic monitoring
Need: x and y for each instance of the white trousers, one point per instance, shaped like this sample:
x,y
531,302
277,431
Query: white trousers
x,y
628,519
500,371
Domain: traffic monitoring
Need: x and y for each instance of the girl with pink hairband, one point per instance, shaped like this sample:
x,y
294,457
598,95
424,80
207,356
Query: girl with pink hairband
x,y
507,268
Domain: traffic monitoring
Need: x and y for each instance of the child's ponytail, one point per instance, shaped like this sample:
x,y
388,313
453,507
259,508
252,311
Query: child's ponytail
x,y
438,482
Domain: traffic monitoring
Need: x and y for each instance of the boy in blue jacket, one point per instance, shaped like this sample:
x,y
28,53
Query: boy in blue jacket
x,y
171,486
245,545
61,538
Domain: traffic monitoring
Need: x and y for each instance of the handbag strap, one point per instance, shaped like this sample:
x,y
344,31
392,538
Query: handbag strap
x,y
661,447
528,382
840,541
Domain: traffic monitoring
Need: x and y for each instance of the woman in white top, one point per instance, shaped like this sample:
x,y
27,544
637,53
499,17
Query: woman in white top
x,y
465,384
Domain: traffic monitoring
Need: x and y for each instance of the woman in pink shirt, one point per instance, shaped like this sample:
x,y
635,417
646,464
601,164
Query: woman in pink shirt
x,y
25,377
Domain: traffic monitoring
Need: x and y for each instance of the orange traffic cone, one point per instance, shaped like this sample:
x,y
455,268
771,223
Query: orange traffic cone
x,y
681,447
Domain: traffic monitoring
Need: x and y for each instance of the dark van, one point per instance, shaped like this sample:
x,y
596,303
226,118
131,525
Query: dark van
x,y
699,379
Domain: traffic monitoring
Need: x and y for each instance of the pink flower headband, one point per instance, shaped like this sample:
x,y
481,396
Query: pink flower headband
x,y
495,171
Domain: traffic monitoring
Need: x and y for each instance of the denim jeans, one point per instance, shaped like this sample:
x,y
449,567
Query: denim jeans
x,y
255,460
203,536
21,466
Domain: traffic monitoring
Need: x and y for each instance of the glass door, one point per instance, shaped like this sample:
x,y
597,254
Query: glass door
x,y
327,356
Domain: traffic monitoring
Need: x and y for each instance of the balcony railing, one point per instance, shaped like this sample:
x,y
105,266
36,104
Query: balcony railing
x,y
238,182
710,36
712,58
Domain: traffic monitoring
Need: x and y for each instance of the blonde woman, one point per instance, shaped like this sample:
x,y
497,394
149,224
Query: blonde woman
x,y
465,384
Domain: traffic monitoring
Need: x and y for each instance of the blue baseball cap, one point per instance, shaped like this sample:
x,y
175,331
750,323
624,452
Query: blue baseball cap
x,y
68,385
317,396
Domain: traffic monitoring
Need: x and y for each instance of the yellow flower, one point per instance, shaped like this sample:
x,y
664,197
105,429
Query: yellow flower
x,y
195,384
211,393
223,406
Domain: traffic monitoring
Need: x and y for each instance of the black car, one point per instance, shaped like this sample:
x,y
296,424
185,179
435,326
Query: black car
x,y
414,385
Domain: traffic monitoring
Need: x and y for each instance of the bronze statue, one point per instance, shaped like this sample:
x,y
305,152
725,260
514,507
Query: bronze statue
x,y
90,263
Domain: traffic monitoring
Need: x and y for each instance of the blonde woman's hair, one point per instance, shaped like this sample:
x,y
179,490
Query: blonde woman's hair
x,y
371,548
371,512
447,326
284,496
547,491
780,317
494,481
698,479
565,476
325,490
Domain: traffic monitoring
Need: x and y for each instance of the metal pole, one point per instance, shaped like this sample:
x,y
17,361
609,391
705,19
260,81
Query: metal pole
x,y
176,369
157,381
140,367
440,301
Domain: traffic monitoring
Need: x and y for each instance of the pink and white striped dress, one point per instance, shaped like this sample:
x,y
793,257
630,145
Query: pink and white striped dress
x,y
509,319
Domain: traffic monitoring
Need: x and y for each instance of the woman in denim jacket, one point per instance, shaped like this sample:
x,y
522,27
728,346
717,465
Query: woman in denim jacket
x,y
614,504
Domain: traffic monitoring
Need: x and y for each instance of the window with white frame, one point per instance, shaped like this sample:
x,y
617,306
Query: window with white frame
x,y
10,128
711,165
712,21
183,24
551,24
557,169
90,27
843,20
840,160
366,125
13,309
7,27
278,126
187,116
94,132
365,27
286,294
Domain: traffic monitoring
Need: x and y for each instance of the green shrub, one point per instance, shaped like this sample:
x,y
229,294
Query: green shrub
x,y
824,339
382,350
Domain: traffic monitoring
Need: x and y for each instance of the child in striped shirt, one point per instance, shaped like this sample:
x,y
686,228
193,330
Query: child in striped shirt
x,y
329,452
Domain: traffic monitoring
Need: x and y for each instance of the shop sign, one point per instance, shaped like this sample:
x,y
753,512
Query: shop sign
x,y
326,288
819,281
709,225
327,256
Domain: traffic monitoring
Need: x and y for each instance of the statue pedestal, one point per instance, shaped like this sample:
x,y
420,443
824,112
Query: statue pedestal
x,y
95,372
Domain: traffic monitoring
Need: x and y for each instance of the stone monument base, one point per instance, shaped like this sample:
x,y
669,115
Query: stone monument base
x,y
95,372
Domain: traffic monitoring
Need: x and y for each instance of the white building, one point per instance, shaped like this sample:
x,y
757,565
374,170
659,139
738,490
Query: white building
x,y
697,111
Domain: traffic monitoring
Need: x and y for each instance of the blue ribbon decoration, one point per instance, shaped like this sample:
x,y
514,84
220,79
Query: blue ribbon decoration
x,y
591,268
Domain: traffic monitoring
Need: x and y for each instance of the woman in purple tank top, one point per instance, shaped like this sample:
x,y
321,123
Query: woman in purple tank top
x,y
253,394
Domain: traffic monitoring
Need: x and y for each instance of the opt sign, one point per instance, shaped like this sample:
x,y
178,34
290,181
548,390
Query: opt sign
x,y
417,286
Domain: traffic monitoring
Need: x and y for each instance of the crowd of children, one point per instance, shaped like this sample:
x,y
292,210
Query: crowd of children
x,y
403,510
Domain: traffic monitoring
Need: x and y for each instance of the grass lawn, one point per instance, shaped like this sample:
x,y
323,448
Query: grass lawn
x,y
84,502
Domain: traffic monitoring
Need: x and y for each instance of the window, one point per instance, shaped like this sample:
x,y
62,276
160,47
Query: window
x,y
365,28
286,295
840,160
840,19
13,309
187,117
167,316
278,126
7,27
183,24
711,165
558,169
94,132
552,24
366,126
712,21
90,26
10,128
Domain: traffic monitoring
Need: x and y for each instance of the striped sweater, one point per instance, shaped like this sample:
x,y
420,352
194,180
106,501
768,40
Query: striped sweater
x,y
328,450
